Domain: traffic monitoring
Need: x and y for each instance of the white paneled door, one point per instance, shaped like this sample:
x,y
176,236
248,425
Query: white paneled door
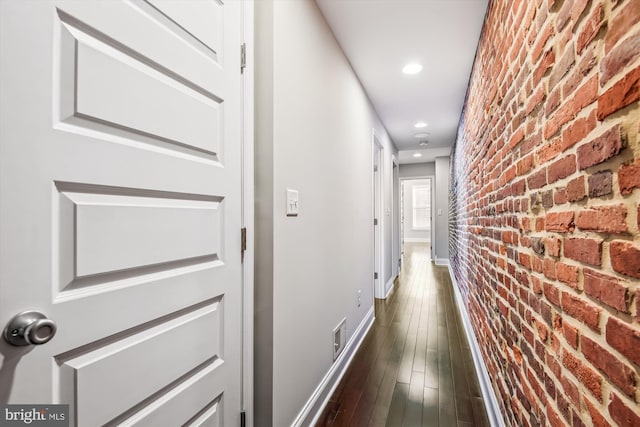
x,y
120,208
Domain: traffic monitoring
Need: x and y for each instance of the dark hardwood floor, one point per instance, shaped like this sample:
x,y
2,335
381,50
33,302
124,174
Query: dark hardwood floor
x,y
414,368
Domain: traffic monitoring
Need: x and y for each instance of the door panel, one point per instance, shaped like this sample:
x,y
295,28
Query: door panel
x,y
122,371
120,203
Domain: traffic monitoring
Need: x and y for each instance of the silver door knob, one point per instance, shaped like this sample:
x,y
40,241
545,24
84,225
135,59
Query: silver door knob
x,y
29,328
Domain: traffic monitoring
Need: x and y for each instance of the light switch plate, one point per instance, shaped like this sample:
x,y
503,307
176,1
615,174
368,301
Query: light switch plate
x,y
292,202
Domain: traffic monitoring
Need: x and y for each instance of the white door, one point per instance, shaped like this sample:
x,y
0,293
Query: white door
x,y
120,203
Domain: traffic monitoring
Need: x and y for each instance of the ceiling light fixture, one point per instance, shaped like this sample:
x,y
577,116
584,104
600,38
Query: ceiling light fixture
x,y
420,125
421,135
417,155
423,143
412,68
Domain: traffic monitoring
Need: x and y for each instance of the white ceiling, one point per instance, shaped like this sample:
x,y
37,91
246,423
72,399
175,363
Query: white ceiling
x,y
379,37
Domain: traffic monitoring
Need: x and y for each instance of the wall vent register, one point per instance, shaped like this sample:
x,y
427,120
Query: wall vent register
x,y
339,338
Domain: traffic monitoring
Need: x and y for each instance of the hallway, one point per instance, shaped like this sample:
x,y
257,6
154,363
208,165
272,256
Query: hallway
x,y
415,366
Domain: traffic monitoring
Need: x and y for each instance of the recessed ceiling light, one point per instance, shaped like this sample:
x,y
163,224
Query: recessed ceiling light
x,y
412,68
423,143
417,155
421,135
421,125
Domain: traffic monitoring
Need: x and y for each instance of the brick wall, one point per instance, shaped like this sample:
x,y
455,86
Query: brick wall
x,y
546,189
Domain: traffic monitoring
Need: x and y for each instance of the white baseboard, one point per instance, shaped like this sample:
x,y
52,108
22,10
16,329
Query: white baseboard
x,y
389,287
312,410
488,394
442,261
416,240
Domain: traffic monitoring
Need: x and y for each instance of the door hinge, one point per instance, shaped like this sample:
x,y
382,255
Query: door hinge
x,y
243,57
243,241
375,276
243,419
375,221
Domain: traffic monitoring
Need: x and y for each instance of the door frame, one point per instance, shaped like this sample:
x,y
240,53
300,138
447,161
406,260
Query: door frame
x,y
396,242
248,193
432,180
378,204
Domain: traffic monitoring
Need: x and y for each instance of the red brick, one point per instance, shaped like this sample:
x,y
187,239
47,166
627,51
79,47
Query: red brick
x,y
587,63
571,334
561,168
596,417
625,258
547,199
638,305
591,28
543,331
623,93
601,184
552,293
561,68
554,418
624,339
549,151
576,189
621,413
581,310
629,177
543,37
561,222
552,246
536,284
567,274
584,250
621,22
577,10
577,130
550,269
621,56
535,100
553,102
604,219
584,374
525,260
619,373
537,180
601,148
605,288
564,15
563,406
584,96
516,138
525,164
560,196
537,264
544,66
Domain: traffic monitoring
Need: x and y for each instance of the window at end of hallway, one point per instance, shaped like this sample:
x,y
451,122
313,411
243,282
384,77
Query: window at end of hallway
x,y
421,195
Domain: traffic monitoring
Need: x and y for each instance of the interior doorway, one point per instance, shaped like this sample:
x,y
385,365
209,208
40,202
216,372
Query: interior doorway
x,y
416,218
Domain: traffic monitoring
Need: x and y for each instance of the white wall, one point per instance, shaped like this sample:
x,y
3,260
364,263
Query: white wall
x,y
409,233
418,170
313,134
441,210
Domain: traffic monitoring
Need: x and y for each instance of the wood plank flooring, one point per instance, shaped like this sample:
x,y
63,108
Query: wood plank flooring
x,y
414,367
